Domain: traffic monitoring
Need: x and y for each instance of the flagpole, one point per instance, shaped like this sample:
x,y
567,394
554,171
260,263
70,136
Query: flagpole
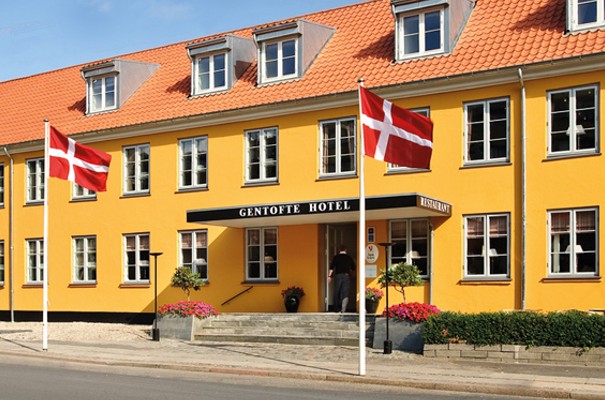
x,y
45,240
362,235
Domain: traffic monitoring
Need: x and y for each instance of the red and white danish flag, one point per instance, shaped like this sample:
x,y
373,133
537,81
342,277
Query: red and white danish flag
x,y
77,163
394,134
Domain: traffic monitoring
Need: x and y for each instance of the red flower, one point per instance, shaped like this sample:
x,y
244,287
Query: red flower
x,y
417,312
188,308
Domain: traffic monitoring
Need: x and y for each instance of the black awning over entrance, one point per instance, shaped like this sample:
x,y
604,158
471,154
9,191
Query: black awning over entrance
x,y
412,205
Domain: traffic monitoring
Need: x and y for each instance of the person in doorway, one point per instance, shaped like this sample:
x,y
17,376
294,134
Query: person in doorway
x,y
341,268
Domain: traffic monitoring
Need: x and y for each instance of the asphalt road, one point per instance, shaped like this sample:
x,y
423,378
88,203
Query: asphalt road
x,y
35,379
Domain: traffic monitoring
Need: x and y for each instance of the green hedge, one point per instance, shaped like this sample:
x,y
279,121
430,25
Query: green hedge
x,y
569,329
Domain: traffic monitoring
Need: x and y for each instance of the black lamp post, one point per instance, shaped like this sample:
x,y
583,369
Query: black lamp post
x,y
388,344
155,331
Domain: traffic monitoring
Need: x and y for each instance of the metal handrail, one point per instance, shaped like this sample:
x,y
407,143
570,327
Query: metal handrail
x,y
237,295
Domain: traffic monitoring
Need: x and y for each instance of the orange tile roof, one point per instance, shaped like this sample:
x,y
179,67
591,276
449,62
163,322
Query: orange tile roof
x,y
499,34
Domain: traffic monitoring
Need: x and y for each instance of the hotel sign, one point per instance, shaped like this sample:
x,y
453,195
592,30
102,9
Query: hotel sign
x,y
295,210
435,205
315,207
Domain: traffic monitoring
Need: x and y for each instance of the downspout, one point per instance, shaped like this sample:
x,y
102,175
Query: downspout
x,y
10,238
431,274
523,191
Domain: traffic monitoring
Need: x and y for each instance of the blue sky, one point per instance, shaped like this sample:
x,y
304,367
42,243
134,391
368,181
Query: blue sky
x,y
43,35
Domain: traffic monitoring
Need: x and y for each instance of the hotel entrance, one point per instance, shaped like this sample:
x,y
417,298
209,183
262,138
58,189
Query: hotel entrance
x,y
335,235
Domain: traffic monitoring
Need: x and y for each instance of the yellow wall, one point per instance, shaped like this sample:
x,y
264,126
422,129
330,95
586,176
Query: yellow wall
x,y
565,183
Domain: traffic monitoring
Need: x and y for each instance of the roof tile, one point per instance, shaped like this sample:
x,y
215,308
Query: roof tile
x,y
499,34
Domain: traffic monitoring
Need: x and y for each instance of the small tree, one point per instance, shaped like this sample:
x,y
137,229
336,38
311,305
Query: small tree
x,y
186,280
401,275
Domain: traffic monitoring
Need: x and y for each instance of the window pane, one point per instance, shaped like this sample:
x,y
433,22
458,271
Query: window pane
x,y
411,25
271,60
110,99
411,35
288,57
97,86
254,270
587,11
288,48
432,28
219,62
475,265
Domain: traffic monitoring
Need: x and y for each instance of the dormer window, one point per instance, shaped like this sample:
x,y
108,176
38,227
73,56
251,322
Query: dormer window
x,y
286,51
280,59
217,63
110,84
421,33
426,27
210,73
102,93
585,14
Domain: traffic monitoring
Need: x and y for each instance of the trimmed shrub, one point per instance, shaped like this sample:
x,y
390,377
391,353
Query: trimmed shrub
x,y
569,329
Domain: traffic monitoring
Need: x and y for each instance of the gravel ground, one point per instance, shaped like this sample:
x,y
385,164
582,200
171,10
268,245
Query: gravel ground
x,y
74,331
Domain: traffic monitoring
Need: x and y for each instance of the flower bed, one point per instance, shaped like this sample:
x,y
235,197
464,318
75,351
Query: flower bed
x,y
416,312
188,309
406,324
178,320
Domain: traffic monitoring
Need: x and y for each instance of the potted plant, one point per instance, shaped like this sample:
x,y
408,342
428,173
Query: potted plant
x,y
185,279
405,331
401,275
292,296
373,296
179,320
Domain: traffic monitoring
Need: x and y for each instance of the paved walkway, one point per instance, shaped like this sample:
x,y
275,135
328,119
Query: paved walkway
x,y
330,364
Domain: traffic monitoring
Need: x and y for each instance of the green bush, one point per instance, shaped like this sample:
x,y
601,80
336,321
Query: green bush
x,y
186,280
569,329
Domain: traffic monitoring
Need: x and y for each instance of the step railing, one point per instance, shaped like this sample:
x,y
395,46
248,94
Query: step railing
x,y
237,295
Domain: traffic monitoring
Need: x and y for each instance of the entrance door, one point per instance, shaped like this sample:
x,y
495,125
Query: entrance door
x,y
337,234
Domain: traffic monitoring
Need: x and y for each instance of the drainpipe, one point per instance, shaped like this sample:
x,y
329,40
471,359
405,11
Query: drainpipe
x,y
10,238
431,274
523,191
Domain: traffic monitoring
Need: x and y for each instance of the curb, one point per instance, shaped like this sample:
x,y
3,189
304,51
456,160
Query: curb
x,y
492,389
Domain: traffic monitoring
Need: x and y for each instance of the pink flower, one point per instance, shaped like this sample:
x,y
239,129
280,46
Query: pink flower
x,y
417,312
188,308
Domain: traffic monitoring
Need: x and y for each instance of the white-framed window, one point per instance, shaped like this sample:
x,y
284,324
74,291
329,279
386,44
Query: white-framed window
x,y
573,121
102,93
261,155
420,33
210,73
136,258
35,261
1,184
486,131
194,251
136,169
574,242
1,262
35,180
586,14
279,59
398,168
487,246
193,163
85,259
412,243
261,254
338,147
80,193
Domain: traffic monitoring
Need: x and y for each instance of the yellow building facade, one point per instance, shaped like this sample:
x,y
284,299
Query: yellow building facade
x,y
257,196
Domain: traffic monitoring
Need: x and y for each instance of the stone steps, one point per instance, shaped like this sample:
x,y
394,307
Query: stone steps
x,y
292,328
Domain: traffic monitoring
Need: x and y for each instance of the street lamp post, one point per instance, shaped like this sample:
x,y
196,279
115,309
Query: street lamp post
x,y
388,344
155,331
